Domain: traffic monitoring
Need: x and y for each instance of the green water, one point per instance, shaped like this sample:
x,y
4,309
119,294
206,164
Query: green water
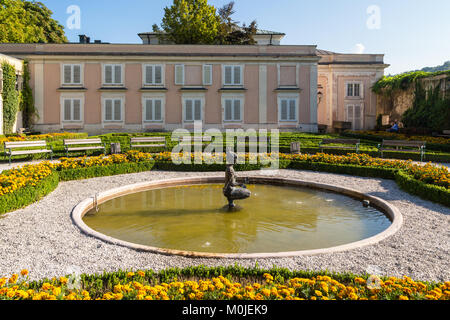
x,y
273,219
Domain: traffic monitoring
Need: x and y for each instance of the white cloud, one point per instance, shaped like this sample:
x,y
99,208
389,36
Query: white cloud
x,y
359,48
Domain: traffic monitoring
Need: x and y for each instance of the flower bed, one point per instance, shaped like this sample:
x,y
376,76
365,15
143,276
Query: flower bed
x,y
23,186
231,283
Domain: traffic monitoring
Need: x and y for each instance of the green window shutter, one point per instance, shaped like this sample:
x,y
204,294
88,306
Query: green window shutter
x,y
108,74
188,111
207,74
292,109
237,75
76,110
179,74
284,111
67,109
228,109
149,75
117,110
77,74
108,110
158,110
158,75
228,75
237,110
67,74
198,110
149,110
118,74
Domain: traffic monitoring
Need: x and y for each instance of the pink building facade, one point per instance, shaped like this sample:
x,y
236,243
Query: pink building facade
x,y
101,88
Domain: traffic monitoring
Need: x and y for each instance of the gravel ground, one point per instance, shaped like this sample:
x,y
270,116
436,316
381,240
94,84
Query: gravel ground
x,y
43,239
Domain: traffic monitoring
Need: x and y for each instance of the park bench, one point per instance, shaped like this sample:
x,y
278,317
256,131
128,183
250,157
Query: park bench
x,y
417,146
148,142
325,143
16,148
194,140
445,134
83,145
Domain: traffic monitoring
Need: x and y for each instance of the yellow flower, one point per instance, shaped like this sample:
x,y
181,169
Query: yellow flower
x,y
24,272
403,298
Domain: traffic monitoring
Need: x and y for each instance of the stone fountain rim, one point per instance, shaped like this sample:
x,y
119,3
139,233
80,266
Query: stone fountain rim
x,y
388,209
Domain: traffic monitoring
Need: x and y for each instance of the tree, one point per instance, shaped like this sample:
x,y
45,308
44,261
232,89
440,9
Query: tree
x,y
28,22
197,22
230,32
190,22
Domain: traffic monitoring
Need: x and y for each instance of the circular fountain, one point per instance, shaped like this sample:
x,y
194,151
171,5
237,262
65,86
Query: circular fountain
x,y
283,217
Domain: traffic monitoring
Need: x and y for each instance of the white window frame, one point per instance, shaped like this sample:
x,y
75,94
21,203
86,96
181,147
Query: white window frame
x,y
289,97
233,97
122,109
72,84
175,74
202,106
72,96
361,105
210,74
232,84
144,104
361,90
122,74
144,75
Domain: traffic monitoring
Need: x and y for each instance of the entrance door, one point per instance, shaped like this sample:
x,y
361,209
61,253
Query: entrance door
x,y
354,114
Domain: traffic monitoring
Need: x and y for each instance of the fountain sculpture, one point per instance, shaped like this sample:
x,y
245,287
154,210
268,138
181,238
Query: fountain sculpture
x,y
233,190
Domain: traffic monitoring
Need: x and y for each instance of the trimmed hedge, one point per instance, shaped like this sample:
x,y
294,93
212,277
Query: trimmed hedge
x,y
423,190
111,170
28,195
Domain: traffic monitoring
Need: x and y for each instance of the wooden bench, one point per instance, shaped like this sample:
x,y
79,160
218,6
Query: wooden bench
x,y
148,142
83,145
419,145
445,134
354,142
20,145
195,140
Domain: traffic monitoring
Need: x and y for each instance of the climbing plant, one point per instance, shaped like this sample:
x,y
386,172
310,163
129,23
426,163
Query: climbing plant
x,y
10,98
27,102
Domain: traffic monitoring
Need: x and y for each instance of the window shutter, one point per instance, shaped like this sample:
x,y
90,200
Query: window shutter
x,y
350,114
349,90
108,74
67,74
149,110
237,75
179,74
228,74
77,74
149,74
117,110
67,109
357,118
284,110
118,74
188,111
198,110
207,74
108,110
76,110
158,75
237,110
228,109
158,110
292,110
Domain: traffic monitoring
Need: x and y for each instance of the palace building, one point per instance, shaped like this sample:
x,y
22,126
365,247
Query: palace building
x,y
100,87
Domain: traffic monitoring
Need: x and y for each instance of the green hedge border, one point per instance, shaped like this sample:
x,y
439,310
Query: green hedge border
x,y
29,194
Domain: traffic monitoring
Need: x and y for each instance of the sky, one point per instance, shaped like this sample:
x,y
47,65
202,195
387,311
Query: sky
x,y
411,33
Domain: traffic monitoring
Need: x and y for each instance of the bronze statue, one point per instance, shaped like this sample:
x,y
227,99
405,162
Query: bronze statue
x,y
233,190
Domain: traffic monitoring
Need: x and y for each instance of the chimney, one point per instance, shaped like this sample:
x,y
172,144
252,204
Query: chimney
x,y
84,39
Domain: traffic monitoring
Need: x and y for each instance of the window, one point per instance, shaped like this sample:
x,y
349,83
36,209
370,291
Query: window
x,y
71,74
153,74
232,75
192,109
153,109
288,109
179,74
207,75
353,114
71,109
232,109
353,89
113,74
113,109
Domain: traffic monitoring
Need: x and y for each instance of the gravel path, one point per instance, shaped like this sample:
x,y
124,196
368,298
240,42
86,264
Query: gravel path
x,y
43,239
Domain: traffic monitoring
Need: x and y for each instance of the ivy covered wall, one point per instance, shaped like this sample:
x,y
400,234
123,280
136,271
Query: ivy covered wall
x,y
10,97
